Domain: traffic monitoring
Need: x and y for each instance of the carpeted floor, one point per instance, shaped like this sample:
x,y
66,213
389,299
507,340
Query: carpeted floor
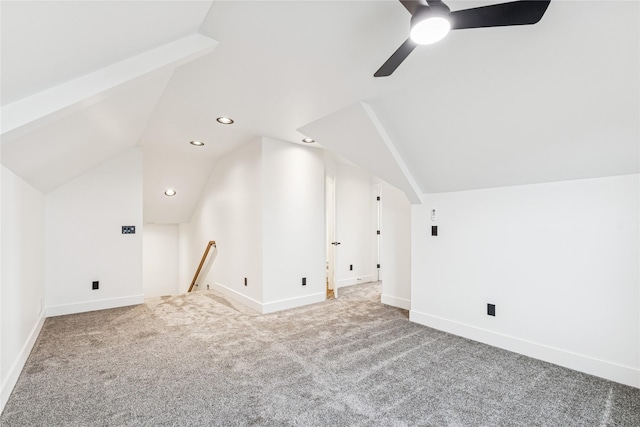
x,y
201,360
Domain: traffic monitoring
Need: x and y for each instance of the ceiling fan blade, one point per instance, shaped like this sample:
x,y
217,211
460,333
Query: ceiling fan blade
x,y
396,59
523,12
412,5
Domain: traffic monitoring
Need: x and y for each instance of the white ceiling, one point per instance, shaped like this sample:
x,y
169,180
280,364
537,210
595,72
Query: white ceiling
x,y
483,108
56,153
46,43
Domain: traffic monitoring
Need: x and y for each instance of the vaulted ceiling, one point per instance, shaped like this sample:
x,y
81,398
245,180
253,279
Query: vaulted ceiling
x,y
83,81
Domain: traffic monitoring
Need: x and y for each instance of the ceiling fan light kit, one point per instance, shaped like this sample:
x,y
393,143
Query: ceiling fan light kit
x,y
430,24
430,30
431,21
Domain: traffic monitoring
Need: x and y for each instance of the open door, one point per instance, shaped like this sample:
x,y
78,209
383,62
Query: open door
x,y
332,245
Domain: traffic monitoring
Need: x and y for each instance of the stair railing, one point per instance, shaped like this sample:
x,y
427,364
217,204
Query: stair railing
x,y
212,243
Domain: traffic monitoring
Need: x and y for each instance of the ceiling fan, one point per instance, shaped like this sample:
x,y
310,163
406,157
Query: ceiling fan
x,y
431,20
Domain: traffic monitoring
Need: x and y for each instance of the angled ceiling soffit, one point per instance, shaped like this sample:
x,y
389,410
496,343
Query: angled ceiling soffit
x,y
28,114
356,134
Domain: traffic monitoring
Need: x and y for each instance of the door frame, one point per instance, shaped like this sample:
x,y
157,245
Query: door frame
x,y
330,224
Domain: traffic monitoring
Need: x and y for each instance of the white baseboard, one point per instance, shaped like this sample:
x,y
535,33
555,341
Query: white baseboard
x,y
269,307
396,301
622,374
358,280
103,304
14,372
285,304
237,296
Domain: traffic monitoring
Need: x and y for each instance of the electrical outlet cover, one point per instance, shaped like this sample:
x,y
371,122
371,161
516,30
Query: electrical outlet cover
x,y
491,309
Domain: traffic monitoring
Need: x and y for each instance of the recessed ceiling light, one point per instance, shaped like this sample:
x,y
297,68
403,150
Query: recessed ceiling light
x,y
224,120
170,192
308,140
197,143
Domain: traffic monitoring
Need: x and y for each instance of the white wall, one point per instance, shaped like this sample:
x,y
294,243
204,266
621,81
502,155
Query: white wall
x,y
264,207
160,260
355,226
22,280
84,241
395,247
229,212
293,225
559,260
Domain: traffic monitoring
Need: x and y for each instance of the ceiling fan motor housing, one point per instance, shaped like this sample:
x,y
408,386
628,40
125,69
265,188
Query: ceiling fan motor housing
x,y
433,9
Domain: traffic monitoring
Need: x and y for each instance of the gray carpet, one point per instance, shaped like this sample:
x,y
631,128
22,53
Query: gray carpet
x,y
200,360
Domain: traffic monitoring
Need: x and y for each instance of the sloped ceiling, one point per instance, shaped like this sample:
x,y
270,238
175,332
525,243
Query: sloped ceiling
x,y
355,130
58,152
557,101
483,108
47,43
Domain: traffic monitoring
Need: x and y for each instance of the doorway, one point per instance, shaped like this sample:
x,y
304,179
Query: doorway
x,y
331,245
